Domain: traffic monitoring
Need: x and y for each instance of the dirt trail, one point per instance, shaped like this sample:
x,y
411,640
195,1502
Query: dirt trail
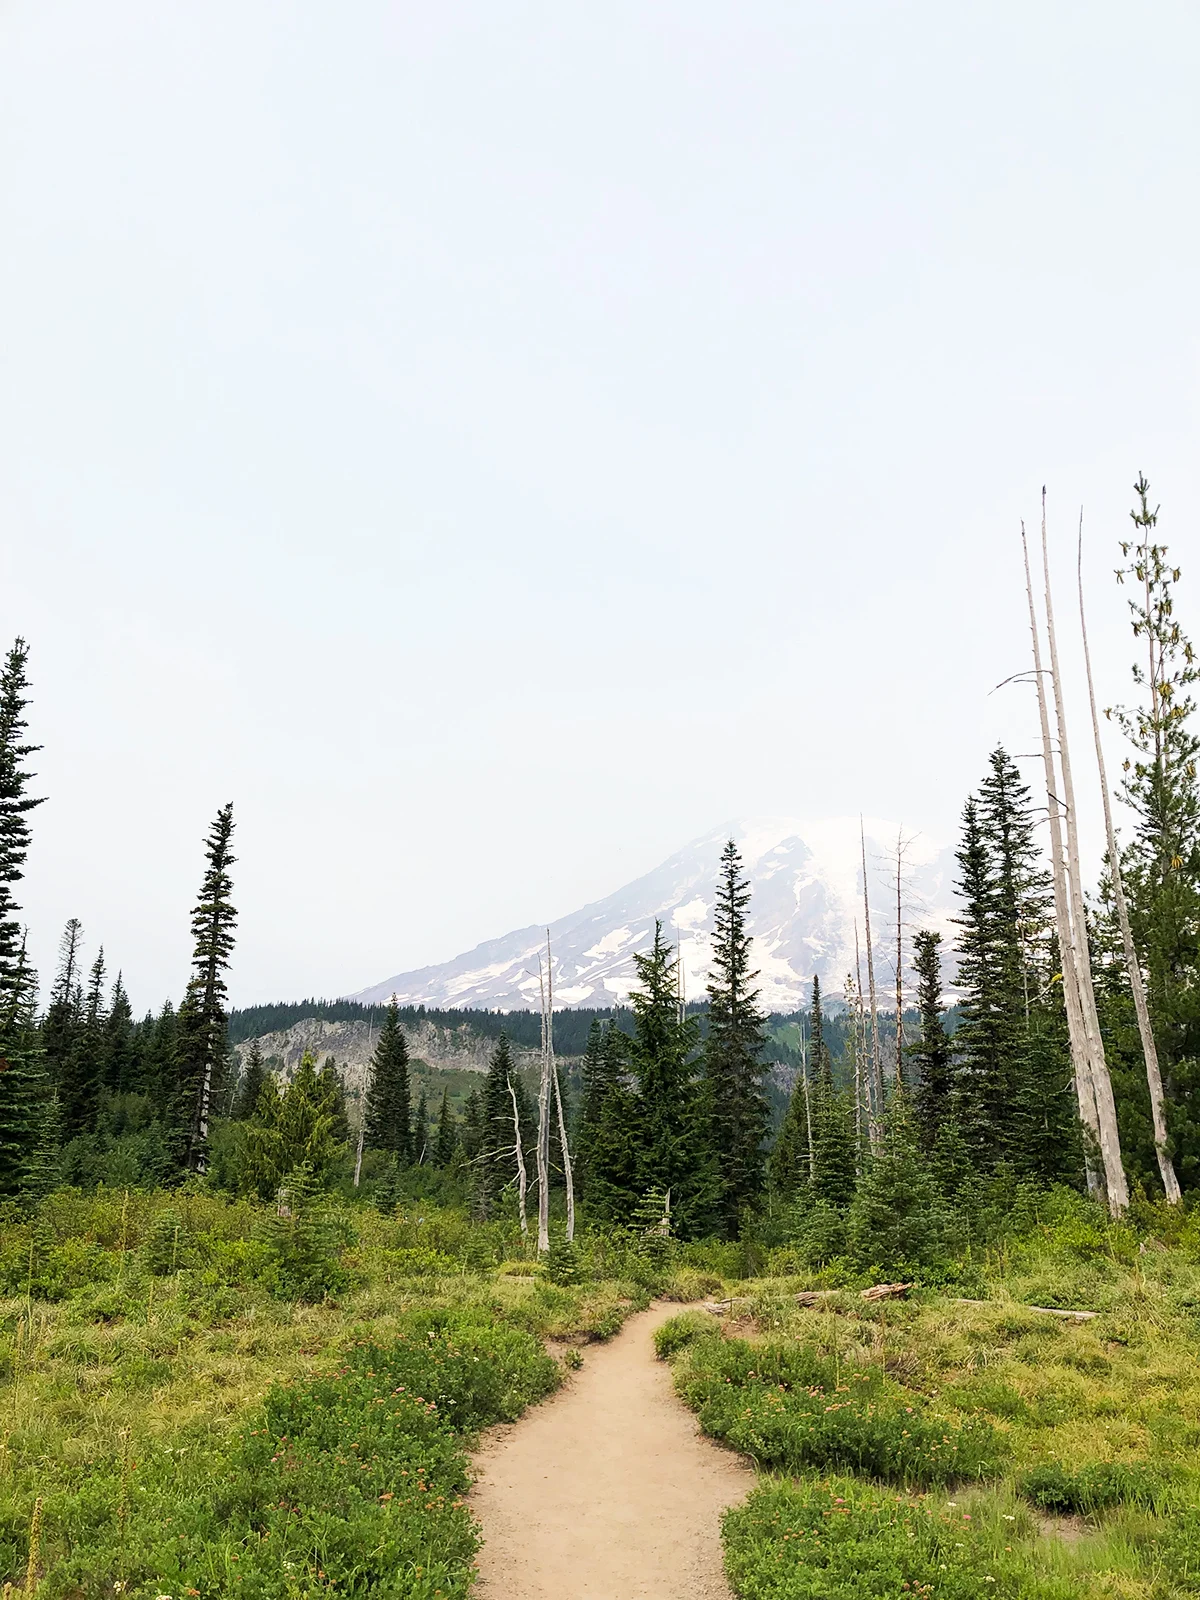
x,y
608,1491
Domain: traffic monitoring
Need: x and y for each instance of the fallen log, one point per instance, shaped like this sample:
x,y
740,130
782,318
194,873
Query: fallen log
x,y
1049,1311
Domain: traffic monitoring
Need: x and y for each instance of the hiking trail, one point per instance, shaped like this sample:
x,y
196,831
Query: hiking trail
x,y
608,1490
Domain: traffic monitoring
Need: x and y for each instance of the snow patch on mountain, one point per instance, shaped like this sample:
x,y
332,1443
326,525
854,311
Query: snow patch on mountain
x,y
807,898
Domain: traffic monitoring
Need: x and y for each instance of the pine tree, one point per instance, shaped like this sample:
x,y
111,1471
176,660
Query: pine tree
x,y
789,1166
735,1101
471,1130
608,1168
89,1065
897,1222
119,1049
388,1113
447,1133
834,1147
23,1089
61,1030
497,1156
333,1098
932,1052
1161,865
289,1131
201,1044
15,806
669,1131
250,1087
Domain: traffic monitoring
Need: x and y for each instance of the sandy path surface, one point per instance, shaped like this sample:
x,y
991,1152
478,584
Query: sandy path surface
x,y
607,1491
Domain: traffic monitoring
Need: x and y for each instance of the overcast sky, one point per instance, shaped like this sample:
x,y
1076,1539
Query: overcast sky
x,y
491,444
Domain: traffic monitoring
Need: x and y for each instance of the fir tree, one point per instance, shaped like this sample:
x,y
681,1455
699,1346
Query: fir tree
x,y
200,1044
1161,865
669,1129
15,806
289,1131
497,1155
736,1104
447,1133
119,1047
388,1112
333,1096
250,1087
834,1153
897,1221
607,1153
62,1028
932,1052
789,1166
24,1123
471,1130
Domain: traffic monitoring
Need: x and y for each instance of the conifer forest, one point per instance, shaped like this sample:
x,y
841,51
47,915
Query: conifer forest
x,y
924,1255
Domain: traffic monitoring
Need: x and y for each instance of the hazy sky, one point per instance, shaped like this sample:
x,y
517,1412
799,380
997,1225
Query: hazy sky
x,y
493,444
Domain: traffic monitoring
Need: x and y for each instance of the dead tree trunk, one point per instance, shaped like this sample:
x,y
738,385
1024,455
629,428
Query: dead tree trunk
x,y
1106,1106
522,1175
543,1141
1080,1062
876,1055
1166,1166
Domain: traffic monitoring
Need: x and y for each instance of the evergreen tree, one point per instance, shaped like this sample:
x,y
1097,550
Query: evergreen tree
x,y
201,1043
447,1133
253,1076
471,1130
932,1052
15,806
1011,1094
119,1047
790,1164
834,1153
288,1131
606,1151
333,1096
62,1028
897,1218
24,1124
388,1112
1161,865
497,1156
156,1057
22,1075
669,1130
736,1103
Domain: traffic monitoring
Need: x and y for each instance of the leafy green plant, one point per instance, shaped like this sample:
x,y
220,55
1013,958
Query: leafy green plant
x,y
789,1408
1097,1486
682,1331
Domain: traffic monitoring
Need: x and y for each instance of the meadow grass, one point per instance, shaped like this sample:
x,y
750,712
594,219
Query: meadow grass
x,y
187,1431
1085,1482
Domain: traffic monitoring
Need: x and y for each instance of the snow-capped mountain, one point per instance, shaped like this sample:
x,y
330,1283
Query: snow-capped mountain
x,y
806,883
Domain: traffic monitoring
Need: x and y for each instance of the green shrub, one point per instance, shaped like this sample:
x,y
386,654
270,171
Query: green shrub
x,y
790,1408
843,1540
1098,1486
682,1331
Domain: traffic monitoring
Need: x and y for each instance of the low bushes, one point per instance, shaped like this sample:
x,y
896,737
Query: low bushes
x,y
349,1483
842,1540
790,1408
1098,1486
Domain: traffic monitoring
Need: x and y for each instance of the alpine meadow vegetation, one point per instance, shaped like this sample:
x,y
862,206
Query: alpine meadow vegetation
x,y
255,1311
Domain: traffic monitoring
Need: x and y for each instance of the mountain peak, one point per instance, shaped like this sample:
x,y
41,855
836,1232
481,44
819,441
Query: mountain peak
x,y
806,886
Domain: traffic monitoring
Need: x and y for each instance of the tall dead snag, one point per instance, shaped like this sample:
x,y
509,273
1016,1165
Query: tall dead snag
x,y
522,1175
1106,1105
562,1121
1080,1060
1166,1166
543,1140
876,1054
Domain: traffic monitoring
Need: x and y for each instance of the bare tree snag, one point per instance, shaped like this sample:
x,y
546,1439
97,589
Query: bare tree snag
x,y
1080,1062
522,1175
876,1056
543,1141
1106,1105
1166,1166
